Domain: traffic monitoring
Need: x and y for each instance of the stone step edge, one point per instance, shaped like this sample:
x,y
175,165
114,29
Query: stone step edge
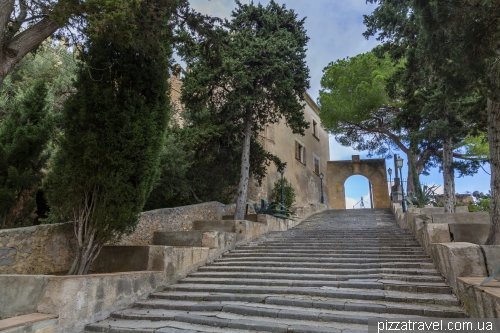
x,y
181,325
250,311
347,293
156,303
368,284
24,320
338,270
319,277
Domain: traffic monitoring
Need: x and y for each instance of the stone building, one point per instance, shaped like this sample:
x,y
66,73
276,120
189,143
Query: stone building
x,y
306,156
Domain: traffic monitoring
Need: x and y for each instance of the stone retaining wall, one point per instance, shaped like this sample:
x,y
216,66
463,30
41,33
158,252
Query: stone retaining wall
x,y
47,249
80,300
37,250
460,263
174,219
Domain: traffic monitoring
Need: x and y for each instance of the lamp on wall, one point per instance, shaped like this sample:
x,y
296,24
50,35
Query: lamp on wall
x,y
399,165
389,171
321,176
282,171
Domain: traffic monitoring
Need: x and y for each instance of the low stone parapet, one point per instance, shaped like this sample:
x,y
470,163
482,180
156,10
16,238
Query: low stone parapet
x,y
458,259
480,301
461,218
247,229
76,300
455,242
30,323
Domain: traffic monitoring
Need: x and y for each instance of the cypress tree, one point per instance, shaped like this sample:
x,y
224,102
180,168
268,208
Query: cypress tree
x,y
23,140
114,130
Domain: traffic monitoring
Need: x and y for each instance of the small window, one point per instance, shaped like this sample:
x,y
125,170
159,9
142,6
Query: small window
x,y
316,164
315,129
300,152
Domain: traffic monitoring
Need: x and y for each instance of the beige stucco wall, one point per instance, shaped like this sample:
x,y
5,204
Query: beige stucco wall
x,y
373,169
278,139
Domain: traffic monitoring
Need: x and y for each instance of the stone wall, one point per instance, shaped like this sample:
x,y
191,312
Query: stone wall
x,y
79,300
48,249
174,219
41,249
462,263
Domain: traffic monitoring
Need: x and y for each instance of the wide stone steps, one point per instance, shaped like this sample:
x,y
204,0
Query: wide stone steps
x,y
281,302
324,260
298,255
299,270
331,292
329,274
327,265
320,277
404,251
302,252
432,287
222,323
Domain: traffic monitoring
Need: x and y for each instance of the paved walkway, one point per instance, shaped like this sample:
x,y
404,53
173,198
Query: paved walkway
x,y
329,274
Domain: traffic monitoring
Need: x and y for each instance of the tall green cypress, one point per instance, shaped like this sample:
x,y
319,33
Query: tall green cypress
x,y
23,140
114,129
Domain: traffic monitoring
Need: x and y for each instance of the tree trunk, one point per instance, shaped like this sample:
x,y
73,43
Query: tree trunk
x,y
494,141
87,244
410,187
87,252
245,172
448,177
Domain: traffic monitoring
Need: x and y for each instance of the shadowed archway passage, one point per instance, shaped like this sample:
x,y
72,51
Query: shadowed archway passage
x,y
373,169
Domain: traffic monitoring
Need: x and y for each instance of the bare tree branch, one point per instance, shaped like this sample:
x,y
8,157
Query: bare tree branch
x,y
18,21
6,7
23,43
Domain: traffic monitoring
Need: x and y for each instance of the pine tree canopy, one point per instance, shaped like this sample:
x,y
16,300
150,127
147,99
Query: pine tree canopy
x,y
258,68
355,105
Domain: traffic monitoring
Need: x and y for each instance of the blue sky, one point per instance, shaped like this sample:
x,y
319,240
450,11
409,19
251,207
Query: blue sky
x,y
335,30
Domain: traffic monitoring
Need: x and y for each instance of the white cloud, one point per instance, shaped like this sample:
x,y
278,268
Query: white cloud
x,y
339,152
219,8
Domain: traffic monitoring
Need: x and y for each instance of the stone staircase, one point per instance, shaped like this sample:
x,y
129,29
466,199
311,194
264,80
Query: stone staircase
x,y
329,274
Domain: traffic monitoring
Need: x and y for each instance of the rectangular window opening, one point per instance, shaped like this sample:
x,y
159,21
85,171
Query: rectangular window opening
x,y
300,152
316,165
315,129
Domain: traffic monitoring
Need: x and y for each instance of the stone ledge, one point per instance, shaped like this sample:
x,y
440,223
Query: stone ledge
x,y
98,275
24,320
480,301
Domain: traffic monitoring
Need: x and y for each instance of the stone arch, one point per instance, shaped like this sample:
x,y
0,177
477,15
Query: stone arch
x,y
373,169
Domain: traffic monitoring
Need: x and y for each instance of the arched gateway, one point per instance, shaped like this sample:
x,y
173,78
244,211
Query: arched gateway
x,y
373,169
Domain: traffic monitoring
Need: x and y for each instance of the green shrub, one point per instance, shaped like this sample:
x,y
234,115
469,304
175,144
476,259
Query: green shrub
x,y
289,193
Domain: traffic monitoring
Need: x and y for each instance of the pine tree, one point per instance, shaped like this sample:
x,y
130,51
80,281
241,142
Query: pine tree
x,y
466,35
437,115
254,75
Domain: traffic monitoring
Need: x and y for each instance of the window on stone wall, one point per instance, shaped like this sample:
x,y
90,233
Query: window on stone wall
x,y
316,164
315,129
300,152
